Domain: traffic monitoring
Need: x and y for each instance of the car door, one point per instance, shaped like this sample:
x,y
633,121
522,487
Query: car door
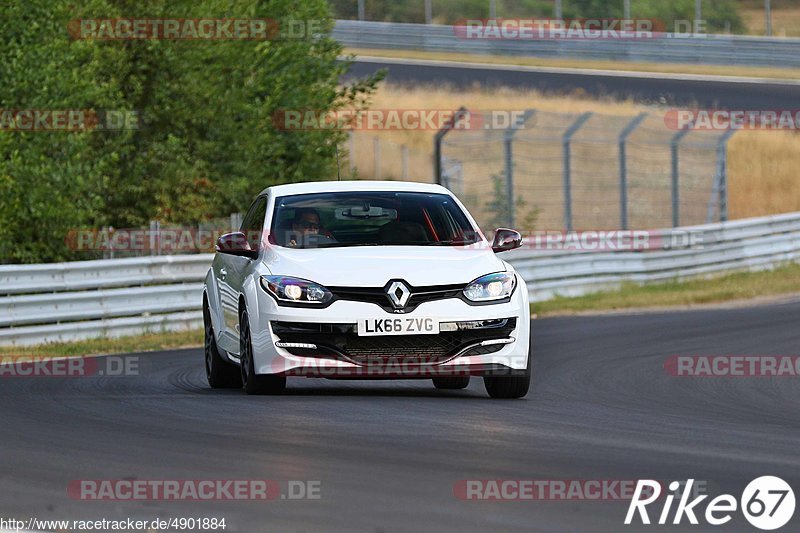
x,y
233,270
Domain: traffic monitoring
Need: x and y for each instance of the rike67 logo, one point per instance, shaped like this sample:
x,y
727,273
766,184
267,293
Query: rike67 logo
x,y
767,503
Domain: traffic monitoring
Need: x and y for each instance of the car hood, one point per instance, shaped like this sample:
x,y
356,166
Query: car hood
x,y
374,266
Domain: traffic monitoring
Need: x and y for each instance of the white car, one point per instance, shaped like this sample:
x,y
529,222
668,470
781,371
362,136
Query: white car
x,y
365,279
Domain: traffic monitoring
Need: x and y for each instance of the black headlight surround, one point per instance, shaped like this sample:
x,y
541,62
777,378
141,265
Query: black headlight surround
x,y
304,304
505,300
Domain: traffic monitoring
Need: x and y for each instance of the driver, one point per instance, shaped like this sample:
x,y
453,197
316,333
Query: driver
x,y
306,224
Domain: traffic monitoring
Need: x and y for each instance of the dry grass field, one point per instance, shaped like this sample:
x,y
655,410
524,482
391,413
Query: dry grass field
x,y
763,166
785,17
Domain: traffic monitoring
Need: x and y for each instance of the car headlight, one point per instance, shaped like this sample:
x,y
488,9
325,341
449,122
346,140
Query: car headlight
x,y
490,287
295,290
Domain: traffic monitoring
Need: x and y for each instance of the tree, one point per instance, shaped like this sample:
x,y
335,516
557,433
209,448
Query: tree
x,y
206,142
498,209
52,181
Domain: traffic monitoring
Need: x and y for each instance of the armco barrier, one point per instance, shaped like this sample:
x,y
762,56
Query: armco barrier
x,y
749,244
715,49
86,299
70,301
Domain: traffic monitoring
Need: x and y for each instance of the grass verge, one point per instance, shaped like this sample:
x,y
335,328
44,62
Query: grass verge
x,y
589,64
139,343
730,287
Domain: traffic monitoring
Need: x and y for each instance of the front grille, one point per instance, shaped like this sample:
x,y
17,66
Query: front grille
x,y
342,342
377,295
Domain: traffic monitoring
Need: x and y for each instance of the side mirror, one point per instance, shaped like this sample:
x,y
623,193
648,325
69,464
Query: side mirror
x,y
505,240
236,244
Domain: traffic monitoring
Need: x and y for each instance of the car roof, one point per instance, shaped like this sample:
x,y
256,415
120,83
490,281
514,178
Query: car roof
x,y
353,186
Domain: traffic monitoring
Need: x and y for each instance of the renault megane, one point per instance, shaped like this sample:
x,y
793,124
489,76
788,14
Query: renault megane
x,y
361,279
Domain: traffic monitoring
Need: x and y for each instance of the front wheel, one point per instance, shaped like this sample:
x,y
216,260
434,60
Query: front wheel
x,y
254,383
219,373
508,387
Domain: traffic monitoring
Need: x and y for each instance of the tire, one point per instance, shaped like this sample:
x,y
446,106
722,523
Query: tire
x,y
252,382
451,383
219,373
508,387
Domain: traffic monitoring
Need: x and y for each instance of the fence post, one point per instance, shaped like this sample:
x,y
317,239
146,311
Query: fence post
x,y
722,166
236,221
623,167
509,160
110,252
404,158
153,235
674,145
437,144
580,121
508,140
767,18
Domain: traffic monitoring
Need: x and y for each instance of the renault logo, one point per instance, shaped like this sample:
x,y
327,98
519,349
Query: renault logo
x,y
398,294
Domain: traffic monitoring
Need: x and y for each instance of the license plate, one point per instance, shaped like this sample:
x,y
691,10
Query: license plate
x,y
397,326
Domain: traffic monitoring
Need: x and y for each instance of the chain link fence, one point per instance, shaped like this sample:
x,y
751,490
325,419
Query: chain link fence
x,y
572,171
370,157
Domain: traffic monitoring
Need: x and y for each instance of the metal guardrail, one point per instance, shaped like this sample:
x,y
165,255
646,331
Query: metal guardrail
x,y
102,273
715,49
115,297
750,244
112,297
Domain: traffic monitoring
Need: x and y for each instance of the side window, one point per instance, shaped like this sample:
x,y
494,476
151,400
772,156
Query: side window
x,y
253,222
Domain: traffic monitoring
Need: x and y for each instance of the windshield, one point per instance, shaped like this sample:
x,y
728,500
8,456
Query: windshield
x,y
369,219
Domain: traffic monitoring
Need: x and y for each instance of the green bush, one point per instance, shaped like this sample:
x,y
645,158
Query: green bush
x,y
206,142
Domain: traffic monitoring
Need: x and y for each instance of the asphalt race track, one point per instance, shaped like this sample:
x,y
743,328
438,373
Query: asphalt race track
x,y
671,90
387,454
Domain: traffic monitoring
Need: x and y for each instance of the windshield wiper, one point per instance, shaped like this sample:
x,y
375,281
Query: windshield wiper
x,y
451,243
346,244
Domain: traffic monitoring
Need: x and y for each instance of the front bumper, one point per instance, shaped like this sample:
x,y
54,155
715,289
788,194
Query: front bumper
x,y
312,342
